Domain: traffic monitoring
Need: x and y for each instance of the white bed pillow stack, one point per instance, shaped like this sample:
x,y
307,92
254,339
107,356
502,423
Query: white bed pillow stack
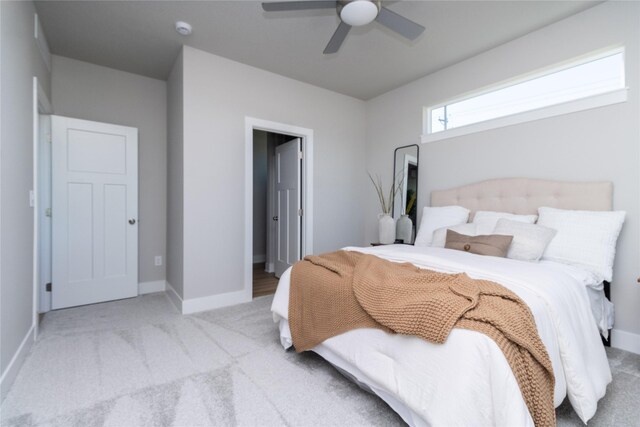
x,y
434,218
483,224
529,240
486,221
585,239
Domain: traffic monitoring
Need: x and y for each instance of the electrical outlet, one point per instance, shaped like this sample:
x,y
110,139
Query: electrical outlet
x,y
158,260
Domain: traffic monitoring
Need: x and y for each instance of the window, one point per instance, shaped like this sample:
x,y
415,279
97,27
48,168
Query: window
x,y
587,79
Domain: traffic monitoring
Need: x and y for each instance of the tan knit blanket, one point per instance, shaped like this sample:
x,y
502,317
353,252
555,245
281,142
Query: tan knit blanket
x,y
340,291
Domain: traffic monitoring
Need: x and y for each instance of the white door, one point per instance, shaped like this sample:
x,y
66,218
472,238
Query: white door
x,y
94,212
288,213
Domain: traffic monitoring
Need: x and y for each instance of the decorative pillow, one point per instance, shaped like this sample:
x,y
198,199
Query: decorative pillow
x,y
440,235
493,245
585,239
487,220
438,217
529,240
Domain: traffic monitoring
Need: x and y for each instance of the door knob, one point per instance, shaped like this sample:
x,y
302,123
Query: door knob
x,y
132,221
275,218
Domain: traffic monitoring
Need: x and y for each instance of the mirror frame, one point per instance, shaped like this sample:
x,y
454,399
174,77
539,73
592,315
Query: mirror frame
x,y
395,153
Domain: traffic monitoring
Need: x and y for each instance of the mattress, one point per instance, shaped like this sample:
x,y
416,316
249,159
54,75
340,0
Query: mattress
x,y
467,380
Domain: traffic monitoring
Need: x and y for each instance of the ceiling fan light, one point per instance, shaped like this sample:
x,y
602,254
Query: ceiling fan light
x,y
359,12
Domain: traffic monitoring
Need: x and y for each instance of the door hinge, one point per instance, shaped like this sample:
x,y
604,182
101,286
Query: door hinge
x,y
299,155
47,287
49,138
47,212
300,212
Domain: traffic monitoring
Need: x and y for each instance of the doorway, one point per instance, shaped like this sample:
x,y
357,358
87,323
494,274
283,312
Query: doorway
x,y
278,201
85,178
276,207
85,232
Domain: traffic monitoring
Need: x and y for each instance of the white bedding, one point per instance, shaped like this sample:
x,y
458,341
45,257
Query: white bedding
x,y
601,307
467,380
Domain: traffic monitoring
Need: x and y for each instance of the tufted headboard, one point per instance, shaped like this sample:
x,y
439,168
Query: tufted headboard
x,y
525,196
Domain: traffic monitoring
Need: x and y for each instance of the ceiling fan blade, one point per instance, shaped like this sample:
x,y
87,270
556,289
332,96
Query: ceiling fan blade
x,y
279,6
398,23
338,37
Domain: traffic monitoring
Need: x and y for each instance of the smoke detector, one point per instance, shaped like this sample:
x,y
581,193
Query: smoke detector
x,y
183,28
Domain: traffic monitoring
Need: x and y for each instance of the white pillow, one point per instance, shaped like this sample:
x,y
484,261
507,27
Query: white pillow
x,y
585,239
438,217
487,220
440,235
529,240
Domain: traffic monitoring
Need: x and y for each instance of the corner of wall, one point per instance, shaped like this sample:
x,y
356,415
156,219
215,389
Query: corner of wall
x,y
175,180
174,297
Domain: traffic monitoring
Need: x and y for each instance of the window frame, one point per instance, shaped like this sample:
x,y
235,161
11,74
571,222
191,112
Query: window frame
x,y
607,98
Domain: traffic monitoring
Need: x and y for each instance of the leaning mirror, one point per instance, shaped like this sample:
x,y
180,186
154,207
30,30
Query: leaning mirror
x,y
405,204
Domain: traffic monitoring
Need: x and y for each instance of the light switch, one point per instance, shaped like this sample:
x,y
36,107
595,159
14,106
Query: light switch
x,y
158,260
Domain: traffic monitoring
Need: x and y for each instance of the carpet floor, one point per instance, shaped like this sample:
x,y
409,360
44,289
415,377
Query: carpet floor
x,y
138,362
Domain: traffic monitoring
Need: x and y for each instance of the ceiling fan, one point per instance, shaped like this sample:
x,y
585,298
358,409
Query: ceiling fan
x,y
352,13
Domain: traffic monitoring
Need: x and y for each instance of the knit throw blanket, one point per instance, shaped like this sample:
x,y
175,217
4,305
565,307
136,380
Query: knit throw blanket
x,y
336,292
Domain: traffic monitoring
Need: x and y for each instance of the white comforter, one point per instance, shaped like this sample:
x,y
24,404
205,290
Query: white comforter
x,y
467,380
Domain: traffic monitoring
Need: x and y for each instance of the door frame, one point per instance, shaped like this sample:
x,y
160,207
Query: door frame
x,y
306,228
41,106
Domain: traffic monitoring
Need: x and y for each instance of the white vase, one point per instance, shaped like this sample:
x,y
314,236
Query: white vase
x,y
386,229
404,229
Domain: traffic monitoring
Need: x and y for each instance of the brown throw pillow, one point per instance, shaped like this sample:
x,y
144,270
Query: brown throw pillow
x,y
491,245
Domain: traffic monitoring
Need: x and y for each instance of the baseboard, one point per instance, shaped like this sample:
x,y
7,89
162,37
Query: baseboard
x,y
195,305
211,302
625,340
271,268
174,297
259,258
10,374
151,287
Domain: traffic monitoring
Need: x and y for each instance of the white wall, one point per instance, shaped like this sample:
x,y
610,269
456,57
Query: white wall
x,y
21,61
259,193
102,94
218,94
175,173
599,144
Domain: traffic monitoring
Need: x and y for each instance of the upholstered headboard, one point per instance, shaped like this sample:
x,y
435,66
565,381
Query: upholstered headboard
x,y
525,196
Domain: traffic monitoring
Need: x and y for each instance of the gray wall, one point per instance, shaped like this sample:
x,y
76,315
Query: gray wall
x,y
259,192
93,92
598,144
21,61
218,94
175,171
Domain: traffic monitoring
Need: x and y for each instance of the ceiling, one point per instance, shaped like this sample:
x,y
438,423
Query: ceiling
x,y
139,37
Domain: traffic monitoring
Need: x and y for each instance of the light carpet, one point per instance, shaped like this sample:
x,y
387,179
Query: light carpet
x,y
138,362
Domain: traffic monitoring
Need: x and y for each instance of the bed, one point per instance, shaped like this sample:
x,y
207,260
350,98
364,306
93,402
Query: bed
x,y
467,380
